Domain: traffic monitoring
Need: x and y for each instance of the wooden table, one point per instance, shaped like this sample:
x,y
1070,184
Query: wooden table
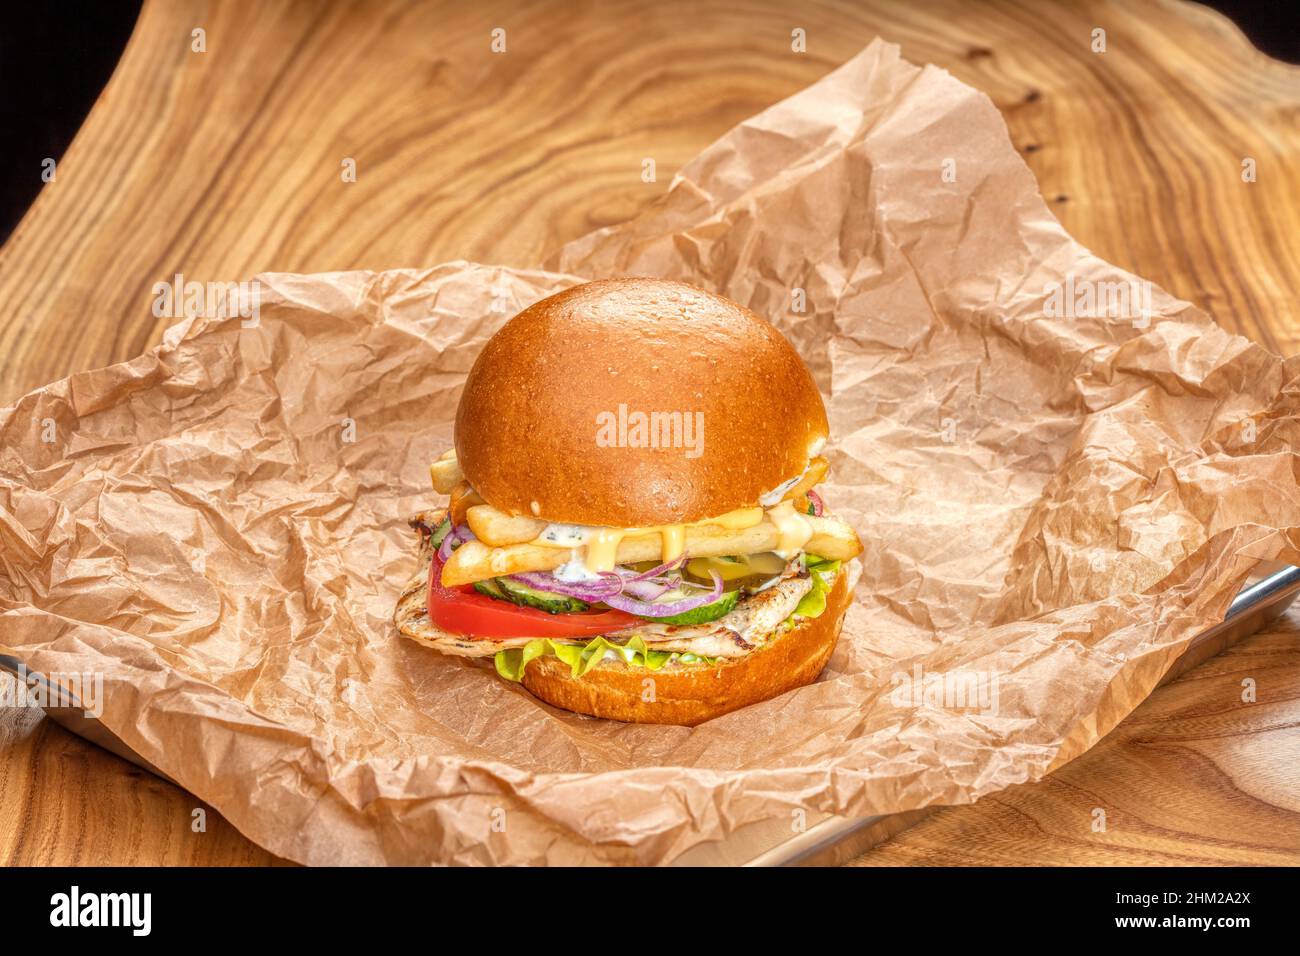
x,y
225,163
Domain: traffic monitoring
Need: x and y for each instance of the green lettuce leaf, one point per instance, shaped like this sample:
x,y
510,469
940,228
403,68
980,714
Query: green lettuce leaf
x,y
815,562
823,571
510,663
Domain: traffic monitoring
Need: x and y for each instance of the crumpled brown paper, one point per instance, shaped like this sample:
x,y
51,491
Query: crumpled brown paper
x,y
1060,503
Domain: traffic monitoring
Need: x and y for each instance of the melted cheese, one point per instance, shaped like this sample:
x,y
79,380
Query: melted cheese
x,y
792,528
598,547
594,550
674,539
602,547
601,543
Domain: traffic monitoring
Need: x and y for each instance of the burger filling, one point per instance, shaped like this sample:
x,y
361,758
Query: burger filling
x,y
517,587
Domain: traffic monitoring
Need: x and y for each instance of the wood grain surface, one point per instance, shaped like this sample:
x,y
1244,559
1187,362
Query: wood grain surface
x,y
222,164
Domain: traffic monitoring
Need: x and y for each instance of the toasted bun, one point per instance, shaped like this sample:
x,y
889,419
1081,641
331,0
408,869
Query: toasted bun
x,y
543,399
692,695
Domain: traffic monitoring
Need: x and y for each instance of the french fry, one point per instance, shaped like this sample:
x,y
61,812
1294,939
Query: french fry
x,y
463,497
445,472
814,476
495,527
476,561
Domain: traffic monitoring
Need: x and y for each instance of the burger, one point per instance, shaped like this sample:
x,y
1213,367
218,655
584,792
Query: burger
x,y
633,529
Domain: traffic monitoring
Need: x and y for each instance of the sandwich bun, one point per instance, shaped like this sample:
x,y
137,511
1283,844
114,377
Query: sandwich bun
x,y
536,400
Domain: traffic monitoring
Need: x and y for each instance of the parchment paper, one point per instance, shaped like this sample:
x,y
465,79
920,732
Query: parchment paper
x,y
1055,504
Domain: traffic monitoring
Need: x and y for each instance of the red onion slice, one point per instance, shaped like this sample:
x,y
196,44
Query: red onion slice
x,y
672,565
611,583
591,591
816,501
444,549
648,609
647,590
457,534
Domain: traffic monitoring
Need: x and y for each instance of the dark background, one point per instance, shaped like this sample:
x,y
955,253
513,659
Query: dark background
x,y
56,57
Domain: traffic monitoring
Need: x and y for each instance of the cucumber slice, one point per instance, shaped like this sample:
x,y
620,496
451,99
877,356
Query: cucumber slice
x,y
542,600
491,588
704,613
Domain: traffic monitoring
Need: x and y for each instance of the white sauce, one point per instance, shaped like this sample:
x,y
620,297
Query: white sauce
x,y
567,535
776,494
574,571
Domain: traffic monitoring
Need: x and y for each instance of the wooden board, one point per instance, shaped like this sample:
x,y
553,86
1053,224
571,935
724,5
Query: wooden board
x,y
221,164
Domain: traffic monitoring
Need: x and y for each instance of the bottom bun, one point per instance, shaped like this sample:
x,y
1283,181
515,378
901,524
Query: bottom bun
x,y
693,694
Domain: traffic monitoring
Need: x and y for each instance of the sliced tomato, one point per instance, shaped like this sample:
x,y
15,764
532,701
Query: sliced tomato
x,y
462,610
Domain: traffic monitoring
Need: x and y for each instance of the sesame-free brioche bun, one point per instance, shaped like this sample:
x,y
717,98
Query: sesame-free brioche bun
x,y
540,405
691,695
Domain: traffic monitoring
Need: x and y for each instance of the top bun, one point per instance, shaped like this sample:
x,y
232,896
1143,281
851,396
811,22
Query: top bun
x,y
555,420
